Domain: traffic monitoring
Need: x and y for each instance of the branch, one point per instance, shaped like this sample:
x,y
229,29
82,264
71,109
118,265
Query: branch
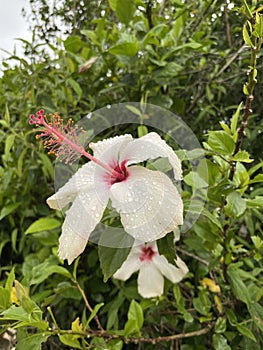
x,y
149,14
133,340
193,256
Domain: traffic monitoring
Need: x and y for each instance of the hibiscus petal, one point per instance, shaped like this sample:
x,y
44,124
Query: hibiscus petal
x,y
171,272
151,146
108,150
82,180
150,281
81,219
148,202
130,265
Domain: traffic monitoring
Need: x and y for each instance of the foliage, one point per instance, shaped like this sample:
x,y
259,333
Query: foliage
x,y
188,57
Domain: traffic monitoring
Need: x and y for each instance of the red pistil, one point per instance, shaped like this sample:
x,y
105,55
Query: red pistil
x,y
62,140
120,169
147,253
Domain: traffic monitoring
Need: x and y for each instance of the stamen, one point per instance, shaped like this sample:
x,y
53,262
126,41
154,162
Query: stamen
x,y
62,140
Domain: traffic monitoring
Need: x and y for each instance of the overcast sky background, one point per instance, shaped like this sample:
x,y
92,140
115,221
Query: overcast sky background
x,y
12,25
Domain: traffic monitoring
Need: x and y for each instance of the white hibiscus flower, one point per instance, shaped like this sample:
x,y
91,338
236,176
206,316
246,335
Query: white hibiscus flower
x,y
147,201
152,268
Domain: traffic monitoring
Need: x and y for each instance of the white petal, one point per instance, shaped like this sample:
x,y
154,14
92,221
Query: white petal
x,y
170,271
179,262
130,265
148,202
81,219
70,245
150,281
82,180
151,146
108,150
176,234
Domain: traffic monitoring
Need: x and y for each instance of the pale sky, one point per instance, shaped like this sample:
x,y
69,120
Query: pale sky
x,y
12,25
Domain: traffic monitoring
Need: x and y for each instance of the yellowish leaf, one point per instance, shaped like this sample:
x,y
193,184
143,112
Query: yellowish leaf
x,y
210,284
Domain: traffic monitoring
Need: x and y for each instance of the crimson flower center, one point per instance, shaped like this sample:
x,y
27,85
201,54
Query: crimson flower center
x,y
147,254
122,170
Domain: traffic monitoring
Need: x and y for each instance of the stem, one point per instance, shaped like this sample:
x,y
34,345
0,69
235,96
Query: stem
x,y
250,85
82,151
88,305
52,317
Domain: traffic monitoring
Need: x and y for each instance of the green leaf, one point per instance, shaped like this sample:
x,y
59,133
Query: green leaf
x,y
94,313
220,342
239,288
220,326
241,177
136,313
113,4
75,86
4,298
221,142
166,247
43,224
231,316
202,303
236,205
247,9
74,44
10,280
124,10
8,144
126,49
8,209
242,156
111,259
194,180
7,115
115,344
70,340
42,325
32,341
246,332
257,178
170,70
131,328
115,305
256,312
256,202
16,313
142,130
234,120
211,217
246,36
42,271
134,110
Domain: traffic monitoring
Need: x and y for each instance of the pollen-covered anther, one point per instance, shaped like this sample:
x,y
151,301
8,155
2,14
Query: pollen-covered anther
x,y
57,137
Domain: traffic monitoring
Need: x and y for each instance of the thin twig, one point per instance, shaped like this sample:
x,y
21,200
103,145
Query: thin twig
x,y
193,256
88,305
228,31
231,59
